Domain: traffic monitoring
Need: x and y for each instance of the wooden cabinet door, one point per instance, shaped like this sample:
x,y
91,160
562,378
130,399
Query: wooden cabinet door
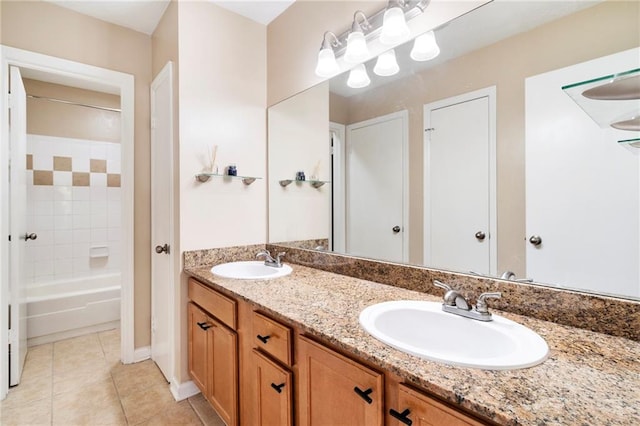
x,y
222,361
335,390
198,337
274,392
418,409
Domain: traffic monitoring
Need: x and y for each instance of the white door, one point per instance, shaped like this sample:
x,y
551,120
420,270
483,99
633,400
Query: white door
x,y
162,287
458,210
582,187
18,225
338,211
376,176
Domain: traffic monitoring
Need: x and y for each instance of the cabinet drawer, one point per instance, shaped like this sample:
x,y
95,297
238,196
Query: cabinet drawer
x,y
272,337
218,305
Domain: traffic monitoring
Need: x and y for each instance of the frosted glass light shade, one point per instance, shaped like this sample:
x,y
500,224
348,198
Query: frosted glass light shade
x,y
425,47
386,64
394,28
357,50
358,77
327,65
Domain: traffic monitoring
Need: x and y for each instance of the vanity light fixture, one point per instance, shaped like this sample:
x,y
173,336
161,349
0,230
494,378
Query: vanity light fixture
x,y
327,65
425,47
357,50
386,64
394,28
358,77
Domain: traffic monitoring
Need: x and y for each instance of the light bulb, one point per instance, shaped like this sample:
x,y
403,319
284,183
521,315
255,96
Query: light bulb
x,y
394,27
357,50
386,64
425,47
327,65
358,77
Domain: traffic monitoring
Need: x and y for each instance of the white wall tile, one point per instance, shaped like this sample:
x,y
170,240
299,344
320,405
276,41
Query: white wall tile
x,y
98,151
43,268
99,221
99,235
43,253
43,193
63,268
44,223
81,207
61,178
80,266
40,208
45,237
98,180
81,164
81,193
42,161
81,250
98,193
114,234
63,222
62,207
63,251
40,279
82,236
114,195
62,237
98,207
81,221
114,219
62,193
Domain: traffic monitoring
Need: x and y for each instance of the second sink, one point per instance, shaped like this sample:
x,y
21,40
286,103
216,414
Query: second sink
x,y
421,328
250,270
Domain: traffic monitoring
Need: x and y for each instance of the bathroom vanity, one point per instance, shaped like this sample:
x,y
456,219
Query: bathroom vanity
x,y
291,351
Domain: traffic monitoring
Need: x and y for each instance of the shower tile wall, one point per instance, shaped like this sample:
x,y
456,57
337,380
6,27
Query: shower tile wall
x,y
74,205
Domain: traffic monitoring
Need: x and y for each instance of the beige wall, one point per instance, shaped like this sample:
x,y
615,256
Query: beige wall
x,y
222,102
601,30
45,28
45,117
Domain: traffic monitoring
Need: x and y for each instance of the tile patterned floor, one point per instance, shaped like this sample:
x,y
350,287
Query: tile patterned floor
x,y
81,381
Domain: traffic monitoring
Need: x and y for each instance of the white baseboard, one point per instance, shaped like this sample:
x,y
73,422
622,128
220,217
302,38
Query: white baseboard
x,y
184,390
68,334
142,353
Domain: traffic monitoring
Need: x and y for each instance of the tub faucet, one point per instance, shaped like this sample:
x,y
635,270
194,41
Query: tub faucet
x,y
270,261
455,303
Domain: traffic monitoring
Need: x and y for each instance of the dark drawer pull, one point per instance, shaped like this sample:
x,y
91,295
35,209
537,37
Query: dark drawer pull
x,y
263,339
278,388
364,394
403,417
204,325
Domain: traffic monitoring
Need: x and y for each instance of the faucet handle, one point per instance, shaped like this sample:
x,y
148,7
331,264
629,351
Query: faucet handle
x,y
481,303
442,285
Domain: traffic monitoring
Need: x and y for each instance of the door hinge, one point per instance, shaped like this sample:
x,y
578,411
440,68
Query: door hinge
x,y
153,123
11,336
10,101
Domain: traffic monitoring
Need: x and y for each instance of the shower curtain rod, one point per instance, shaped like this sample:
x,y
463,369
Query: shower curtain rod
x,y
62,101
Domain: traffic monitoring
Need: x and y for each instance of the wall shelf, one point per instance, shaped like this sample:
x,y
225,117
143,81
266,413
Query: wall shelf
x,y
204,177
612,101
314,183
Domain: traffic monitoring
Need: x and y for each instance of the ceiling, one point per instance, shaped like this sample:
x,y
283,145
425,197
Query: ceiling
x,y
144,15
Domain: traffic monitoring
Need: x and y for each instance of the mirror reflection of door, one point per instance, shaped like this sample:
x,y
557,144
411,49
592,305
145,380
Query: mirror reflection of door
x,y
459,212
376,176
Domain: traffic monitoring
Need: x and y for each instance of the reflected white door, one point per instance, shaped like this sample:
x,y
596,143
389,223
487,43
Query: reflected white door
x,y
18,225
162,288
376,176
582,187
459,234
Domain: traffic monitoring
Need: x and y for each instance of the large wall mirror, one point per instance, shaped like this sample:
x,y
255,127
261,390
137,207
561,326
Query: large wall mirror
x,y
477,161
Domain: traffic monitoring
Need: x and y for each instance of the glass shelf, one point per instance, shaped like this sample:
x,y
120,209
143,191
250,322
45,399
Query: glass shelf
x,y
204,177
315,183
612,101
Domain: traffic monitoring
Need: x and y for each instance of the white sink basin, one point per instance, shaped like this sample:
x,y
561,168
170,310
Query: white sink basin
x,y
250,270
421,328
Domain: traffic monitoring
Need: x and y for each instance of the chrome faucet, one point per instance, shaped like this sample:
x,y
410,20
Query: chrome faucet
x,y
270,261
455,303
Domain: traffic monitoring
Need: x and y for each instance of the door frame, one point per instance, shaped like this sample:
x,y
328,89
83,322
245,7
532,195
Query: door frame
x,y
95,78
490,94
338,212
165,74
404,115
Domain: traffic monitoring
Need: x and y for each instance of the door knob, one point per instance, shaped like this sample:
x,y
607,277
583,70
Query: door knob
x,y
395,229
535,240
480,235
31,236
162,249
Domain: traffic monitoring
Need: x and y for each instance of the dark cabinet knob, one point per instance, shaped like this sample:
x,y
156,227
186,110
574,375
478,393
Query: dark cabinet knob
x,y
278,388
403,417
364,394
263,339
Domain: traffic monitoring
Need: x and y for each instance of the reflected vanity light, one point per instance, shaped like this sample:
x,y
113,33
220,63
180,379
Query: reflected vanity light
x,y
386,64
425,47
327,65
394,28
357,50
358,77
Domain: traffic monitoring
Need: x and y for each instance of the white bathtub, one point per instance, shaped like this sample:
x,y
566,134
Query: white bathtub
x,y
62,309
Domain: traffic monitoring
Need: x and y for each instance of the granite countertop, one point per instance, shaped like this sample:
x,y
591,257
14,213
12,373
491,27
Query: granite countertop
x,y
589,378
